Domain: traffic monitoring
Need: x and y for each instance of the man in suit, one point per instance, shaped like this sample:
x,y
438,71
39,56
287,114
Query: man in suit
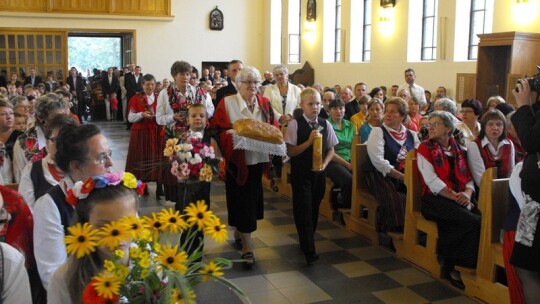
x,y
33,79
205,76
77,88
234,67
109,85
133,83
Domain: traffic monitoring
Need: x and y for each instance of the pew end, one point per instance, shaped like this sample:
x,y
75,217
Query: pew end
x,y
482,284
362,218
419,244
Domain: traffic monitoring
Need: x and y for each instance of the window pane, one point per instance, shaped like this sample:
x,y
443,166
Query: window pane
x,y
22,59
11,41
57,41
58,59
30,41
478,4
31,57
3,58
2,41
20,41
48,42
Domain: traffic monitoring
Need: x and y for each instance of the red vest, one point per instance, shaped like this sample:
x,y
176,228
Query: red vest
x,y
502,164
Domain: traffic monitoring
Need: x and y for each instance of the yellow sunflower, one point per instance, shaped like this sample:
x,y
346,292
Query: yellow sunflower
x,y
154,224
216,230
82,240
112,234
198,214
178,298
210,270
172,221
170,258
107,285
109,265
134,225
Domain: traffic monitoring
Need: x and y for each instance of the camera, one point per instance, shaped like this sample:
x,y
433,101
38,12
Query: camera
x,y
534,82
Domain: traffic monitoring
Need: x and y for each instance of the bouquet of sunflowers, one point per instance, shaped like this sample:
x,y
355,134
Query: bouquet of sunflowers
x,y
191,158
157,271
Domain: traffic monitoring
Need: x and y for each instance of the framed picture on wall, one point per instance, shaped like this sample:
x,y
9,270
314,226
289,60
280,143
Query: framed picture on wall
x,y
216,20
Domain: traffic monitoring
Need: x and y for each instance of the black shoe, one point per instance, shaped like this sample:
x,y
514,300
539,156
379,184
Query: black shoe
x,y
146,191
249,260
159,190
311,258
458,283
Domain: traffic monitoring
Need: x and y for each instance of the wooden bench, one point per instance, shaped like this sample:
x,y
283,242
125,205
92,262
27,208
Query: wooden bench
x,y
362,218
493,204
419,243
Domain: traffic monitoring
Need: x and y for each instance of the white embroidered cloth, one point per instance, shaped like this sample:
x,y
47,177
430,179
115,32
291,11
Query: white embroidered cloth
x,y
244,143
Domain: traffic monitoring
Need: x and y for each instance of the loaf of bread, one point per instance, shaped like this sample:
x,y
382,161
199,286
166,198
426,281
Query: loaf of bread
x,y
258,130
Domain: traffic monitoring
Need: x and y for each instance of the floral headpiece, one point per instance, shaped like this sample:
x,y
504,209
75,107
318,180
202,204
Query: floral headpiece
x,y
81,190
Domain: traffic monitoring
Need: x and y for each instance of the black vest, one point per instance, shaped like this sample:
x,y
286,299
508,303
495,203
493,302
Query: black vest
x,y
64,208
301,164
41,185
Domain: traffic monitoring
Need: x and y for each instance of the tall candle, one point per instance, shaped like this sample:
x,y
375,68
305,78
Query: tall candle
x,y
317,153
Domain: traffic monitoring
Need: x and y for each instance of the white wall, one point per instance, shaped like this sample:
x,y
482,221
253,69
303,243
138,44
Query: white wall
x,y
389,54
187,37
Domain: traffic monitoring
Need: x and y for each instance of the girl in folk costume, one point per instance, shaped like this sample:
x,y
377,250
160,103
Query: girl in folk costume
x,y
491,148
145,140
171,112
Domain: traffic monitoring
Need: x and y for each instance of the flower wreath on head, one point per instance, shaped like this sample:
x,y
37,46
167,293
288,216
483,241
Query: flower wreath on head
x,y
81,189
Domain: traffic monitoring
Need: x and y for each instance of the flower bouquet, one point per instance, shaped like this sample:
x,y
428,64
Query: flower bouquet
x,y
157,272
191,159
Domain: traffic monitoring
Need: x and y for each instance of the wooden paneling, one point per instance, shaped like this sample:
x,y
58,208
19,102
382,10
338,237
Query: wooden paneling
x,y
465,86
44,50
98,7
500,57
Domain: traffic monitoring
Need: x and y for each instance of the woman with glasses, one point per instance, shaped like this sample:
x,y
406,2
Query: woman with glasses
x,y
31,144
243,184
491,148
447,196
387,147
284,96
8,136
40,176
81,152
469,125
171,112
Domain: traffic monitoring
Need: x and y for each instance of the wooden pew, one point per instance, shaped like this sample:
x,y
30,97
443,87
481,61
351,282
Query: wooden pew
x,y
411,247
362,218
493,204
325,209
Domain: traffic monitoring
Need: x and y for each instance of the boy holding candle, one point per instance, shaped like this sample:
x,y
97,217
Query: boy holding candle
x,y
310,144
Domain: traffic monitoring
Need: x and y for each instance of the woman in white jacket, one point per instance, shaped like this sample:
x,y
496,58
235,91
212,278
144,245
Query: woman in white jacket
x,y
284,96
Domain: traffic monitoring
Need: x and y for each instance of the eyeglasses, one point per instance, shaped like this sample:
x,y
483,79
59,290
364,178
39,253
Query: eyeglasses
x,y
434,124
52,139
103,157
498,124
466,111
4,216
251,82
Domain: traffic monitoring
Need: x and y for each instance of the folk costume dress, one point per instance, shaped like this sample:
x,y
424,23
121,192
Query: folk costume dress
x,y
171,101
387,150
145,142
459,228
244,169
29,146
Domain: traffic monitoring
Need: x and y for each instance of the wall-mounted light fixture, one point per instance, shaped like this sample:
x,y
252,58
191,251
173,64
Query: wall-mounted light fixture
x,y
387,17
525,12
389,3
311,11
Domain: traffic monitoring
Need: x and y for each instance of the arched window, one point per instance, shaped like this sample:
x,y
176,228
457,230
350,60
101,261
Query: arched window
x,y
475,17
360,31
294,31
275,31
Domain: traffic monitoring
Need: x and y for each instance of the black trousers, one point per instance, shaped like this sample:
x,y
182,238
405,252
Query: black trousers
x,y
342,178
308,192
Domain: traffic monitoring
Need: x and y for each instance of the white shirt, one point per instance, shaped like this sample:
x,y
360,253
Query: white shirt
x,y
476,163
137,116
292,102
432,180
26,186
6,173
49,247
468,135
375,148
164,112
417,91
291,135
57,291
16,282
237,109
19,160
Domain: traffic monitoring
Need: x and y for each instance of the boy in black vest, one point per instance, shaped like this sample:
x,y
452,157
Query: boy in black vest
x,y
308,185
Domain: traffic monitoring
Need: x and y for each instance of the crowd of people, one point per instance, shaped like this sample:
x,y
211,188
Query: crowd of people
x,y
47,145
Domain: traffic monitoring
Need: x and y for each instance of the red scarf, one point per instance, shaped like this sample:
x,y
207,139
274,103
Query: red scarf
x,y
433,152
398,135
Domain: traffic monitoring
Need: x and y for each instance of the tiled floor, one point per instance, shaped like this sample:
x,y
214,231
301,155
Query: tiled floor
x,y
350,270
